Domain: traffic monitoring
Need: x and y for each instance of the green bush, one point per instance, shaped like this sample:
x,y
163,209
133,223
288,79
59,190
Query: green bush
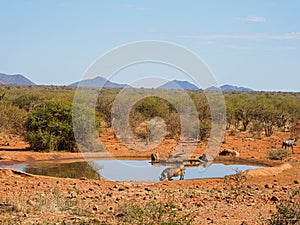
x,y
49,127
278,154
287,212
152,213
27,102
12,118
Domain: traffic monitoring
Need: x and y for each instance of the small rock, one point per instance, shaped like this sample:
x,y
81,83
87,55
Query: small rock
x,y
225,215
121,188
218,197
82,178
91,211
274,198
268,186
251,204
147,189
296,181
284,188
30,202
95,208
227,152
199,203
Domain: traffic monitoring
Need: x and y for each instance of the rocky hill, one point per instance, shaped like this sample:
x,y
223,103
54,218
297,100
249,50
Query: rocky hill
x,y
15,79
98,82
177,84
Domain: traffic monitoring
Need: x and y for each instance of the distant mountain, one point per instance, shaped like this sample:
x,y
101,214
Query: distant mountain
x,y
15,79
98,82
227,87
177,84
213,88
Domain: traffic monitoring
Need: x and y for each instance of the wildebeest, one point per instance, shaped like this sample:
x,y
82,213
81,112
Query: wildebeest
x,y
175,171
289,143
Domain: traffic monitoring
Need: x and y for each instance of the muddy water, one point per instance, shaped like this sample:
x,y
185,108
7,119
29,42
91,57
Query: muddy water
x,y
125,170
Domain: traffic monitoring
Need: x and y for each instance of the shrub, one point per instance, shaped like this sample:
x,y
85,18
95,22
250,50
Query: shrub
x,y
49,127
12,118
287,212
278,154
152,213
27,102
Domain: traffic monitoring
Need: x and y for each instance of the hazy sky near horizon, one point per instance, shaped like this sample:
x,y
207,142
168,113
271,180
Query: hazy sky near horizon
x,y
251,43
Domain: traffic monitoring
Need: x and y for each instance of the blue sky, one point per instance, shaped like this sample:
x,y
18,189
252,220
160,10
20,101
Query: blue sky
x,y
250,43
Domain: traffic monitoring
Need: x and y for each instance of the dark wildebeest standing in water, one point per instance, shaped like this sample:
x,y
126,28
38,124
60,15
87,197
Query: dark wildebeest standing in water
x,y
172,172
289,143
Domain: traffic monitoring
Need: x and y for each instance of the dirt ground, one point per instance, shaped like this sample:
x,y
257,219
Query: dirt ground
x,y
245,198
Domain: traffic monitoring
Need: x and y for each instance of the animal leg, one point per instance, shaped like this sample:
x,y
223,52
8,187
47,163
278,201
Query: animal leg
x,y
181,177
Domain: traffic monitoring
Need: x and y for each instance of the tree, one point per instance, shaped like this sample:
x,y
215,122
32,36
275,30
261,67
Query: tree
x,y
240,110
268,113
11,118
49,127
104,105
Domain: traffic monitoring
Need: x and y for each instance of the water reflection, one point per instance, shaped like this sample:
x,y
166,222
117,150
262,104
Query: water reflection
x,y
66,170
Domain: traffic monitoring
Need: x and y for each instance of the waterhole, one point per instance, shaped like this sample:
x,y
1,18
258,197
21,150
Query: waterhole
x,y
126,170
